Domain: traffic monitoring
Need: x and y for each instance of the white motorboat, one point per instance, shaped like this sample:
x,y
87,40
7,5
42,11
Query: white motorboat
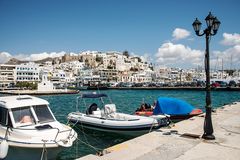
x,y
29,130
104,117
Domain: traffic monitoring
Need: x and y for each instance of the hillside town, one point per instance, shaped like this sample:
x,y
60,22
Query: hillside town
x,y
113,69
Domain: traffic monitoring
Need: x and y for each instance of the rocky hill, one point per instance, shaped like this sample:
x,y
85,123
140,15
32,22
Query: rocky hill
x,y
16,61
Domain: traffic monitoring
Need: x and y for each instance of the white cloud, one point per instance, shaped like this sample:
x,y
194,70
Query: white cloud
x,y
39,56
231,39
146,58
4,57
180,33
230,58
178,55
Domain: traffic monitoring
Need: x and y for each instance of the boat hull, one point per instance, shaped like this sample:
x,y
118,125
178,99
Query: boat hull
x,y
120,130
174,118
136,125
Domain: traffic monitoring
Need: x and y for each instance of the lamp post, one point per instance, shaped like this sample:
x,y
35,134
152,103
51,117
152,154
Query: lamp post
x,y
212,27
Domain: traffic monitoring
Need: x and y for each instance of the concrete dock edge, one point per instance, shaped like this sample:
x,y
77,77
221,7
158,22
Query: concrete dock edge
x,y
186,143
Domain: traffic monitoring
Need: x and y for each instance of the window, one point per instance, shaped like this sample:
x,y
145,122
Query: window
x,y
43,113
23,116
3,116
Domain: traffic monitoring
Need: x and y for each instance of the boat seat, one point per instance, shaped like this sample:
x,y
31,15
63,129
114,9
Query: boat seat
x,y
97,112
109,109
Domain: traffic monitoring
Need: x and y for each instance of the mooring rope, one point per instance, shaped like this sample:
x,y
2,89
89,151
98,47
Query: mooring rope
x,y
152,125
84,135
44,151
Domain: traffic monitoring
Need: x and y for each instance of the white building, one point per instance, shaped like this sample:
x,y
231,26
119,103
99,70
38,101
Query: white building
x,y
27,72
121,65
45,84
136,77
58,76
141,77
219,75
76,66
7,75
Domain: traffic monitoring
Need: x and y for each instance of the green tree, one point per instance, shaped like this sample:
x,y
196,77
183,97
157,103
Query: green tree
x,y
139,59
27,85
189,77
99,59
125,53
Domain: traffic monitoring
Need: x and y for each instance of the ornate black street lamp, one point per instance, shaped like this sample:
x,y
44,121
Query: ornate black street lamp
x,y
212,27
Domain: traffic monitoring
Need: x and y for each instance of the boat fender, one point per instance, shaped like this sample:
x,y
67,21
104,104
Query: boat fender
x,y
3,149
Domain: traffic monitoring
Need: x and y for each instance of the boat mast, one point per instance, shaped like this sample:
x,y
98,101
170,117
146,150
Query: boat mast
x,y
222,69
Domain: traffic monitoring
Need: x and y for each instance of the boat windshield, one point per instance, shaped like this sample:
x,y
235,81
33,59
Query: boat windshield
x,y
3,116
43,113
23,116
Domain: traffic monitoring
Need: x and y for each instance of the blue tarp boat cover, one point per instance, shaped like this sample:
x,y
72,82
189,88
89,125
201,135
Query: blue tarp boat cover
x,y
172,106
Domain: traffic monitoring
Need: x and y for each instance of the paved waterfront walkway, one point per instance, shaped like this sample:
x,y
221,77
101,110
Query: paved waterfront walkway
x,y
160,145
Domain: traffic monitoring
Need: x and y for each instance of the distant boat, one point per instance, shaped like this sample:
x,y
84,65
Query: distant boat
x,y
177,109
104,117
102,87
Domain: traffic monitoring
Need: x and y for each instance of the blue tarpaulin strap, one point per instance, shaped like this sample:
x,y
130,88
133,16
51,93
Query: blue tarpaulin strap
x,y
172,106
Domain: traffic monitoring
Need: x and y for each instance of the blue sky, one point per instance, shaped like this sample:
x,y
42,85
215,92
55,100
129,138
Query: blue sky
x,y
140,26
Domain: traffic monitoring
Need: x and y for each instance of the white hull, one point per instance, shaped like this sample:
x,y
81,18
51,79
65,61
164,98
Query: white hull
x,y
29,144
120,123
123,132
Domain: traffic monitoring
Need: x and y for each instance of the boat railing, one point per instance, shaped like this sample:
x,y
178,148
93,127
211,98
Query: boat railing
x,y
69,134
57,129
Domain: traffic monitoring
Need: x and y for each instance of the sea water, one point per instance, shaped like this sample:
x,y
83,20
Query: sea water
x,y
126,101
89,141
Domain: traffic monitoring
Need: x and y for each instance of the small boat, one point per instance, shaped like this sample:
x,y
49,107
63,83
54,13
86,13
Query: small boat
x,y
29,130
177,109
97,88
104,117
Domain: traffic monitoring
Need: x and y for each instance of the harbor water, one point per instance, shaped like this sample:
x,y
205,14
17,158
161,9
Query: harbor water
x,y
126,101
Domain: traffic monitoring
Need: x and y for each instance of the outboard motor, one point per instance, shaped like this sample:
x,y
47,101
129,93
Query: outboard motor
x,y
91,108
